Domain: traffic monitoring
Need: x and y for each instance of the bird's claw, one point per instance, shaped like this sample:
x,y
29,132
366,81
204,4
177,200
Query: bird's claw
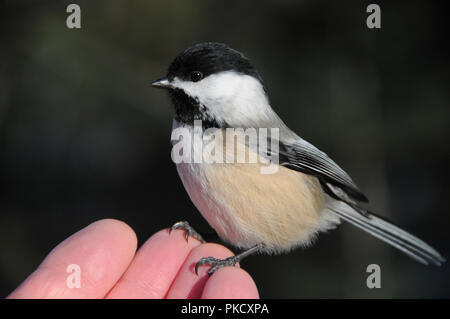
x,y
216,263
189,230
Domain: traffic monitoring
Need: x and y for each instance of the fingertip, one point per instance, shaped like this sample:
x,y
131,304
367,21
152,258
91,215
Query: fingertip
x,y
106,233
230,283
117,227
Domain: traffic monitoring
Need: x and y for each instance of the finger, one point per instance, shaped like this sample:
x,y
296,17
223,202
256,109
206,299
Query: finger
x,y
190,285
101,252
155,266
230,283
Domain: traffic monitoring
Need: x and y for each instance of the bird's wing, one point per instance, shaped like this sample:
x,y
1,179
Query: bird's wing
x,y
306,158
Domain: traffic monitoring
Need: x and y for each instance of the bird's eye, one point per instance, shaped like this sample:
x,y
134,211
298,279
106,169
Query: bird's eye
x,y
196,76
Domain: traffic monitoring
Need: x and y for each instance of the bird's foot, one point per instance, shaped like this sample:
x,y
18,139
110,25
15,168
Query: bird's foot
x,y
230,261
216,263
189,230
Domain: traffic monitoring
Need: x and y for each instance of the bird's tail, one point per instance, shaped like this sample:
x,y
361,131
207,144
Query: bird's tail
x,y
389,233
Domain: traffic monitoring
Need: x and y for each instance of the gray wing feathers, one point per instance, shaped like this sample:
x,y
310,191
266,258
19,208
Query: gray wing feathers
x,y
305,157
319,161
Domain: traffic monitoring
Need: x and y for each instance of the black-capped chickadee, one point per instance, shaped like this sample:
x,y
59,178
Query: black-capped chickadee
x,y
270,213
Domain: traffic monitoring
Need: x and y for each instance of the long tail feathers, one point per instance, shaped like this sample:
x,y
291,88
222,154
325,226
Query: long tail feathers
x,y
389,233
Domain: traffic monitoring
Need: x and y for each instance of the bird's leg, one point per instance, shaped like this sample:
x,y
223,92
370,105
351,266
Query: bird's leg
x,y
189,230
230,261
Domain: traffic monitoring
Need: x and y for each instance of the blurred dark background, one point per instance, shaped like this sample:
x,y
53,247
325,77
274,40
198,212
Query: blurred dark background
x,y
84,137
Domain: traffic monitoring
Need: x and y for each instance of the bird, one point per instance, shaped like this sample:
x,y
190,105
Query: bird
x,y
214,88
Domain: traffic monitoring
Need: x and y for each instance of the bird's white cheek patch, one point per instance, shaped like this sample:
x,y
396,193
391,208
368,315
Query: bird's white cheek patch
x,y
213,88
230,97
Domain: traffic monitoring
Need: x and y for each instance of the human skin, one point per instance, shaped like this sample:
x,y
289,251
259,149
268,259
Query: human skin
x,y
110,267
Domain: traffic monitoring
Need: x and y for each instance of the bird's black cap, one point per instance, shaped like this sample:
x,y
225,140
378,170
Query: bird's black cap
x,y
210,58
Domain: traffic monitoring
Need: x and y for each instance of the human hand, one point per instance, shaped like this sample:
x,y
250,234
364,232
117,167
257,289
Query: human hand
x,y
110,267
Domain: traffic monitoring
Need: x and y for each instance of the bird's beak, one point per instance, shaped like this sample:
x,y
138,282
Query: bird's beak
x,y
162,83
